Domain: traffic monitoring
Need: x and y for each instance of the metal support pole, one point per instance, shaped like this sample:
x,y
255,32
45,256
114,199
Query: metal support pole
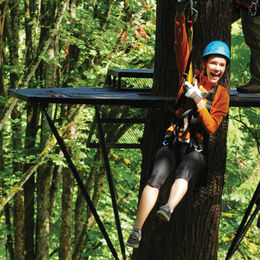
x,y
110,182
79,181
244,225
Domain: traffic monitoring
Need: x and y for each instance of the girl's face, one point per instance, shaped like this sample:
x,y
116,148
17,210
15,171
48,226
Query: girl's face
x,y
214,67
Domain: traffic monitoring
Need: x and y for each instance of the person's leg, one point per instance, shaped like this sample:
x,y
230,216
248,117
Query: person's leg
x,y
148,199
150,195
251,30
164,164
192,165
178,190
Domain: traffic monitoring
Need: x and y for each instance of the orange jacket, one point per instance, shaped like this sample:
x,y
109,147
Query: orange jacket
x,y
220,105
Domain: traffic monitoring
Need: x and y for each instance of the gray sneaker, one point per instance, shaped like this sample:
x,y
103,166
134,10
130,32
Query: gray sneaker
x,y
134,239
164,213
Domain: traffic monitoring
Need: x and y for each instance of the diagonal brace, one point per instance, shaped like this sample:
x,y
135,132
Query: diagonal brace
x,y
78,179
110,182
244,225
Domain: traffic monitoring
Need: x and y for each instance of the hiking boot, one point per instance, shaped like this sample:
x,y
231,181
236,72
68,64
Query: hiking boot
x,y
164,213
134,239
249,88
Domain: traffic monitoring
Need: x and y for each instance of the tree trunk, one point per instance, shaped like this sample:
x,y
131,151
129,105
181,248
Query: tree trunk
x,y
29,186
9,241
13,41
66,228
43,181
31,132
18,198
192,232
67,200
43,216
80,207
19,226
56,183
99,174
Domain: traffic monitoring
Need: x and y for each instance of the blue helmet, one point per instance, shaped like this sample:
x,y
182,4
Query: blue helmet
x,y
217,48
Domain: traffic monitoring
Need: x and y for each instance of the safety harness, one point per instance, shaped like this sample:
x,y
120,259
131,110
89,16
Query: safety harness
x,y
210,97
189,118
189,121
195,126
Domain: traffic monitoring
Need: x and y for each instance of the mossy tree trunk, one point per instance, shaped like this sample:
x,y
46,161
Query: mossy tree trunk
x,y
46,72
18,209
192,232
30,140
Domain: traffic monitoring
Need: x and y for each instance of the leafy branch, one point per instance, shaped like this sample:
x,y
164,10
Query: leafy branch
x,y
254,134
39,58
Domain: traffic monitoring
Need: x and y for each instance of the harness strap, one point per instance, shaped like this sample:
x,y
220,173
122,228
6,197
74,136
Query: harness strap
x,y
210,97
195,126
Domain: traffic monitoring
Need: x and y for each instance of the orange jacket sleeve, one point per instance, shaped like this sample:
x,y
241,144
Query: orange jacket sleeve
x,y
181,44
219,110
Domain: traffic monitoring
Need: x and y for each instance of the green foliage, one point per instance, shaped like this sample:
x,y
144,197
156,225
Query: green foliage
x,y
241,180
126,169
240,57
116,45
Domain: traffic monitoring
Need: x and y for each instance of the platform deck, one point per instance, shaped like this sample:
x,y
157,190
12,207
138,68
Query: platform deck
x,y
108,96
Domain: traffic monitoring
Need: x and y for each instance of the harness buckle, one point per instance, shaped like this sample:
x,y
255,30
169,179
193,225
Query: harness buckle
x,y
198,149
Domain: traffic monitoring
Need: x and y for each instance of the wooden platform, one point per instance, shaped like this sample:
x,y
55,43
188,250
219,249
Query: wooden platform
x,y
103,96
84,95
244,100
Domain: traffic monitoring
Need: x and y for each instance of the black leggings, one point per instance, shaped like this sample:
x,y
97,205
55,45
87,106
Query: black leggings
x,y
183,161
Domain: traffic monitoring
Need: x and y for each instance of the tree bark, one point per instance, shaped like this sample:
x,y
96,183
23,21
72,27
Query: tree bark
x,y
192,232
31,132
13,41
9,241
19,197
66,228
19,226
47,72
80,207
99,174
29,186
3,13
56,184
67,200
43,216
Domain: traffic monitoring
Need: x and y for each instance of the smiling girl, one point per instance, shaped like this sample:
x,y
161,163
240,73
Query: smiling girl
x,y
185,157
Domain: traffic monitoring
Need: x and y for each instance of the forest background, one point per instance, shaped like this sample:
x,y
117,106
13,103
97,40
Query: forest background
x,y
72,44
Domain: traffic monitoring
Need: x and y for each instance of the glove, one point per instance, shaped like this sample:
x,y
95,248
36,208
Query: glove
x,y
181,4
192,92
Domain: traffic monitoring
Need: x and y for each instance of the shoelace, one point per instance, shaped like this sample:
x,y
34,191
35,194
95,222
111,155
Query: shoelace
x,y
166,208
135,235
